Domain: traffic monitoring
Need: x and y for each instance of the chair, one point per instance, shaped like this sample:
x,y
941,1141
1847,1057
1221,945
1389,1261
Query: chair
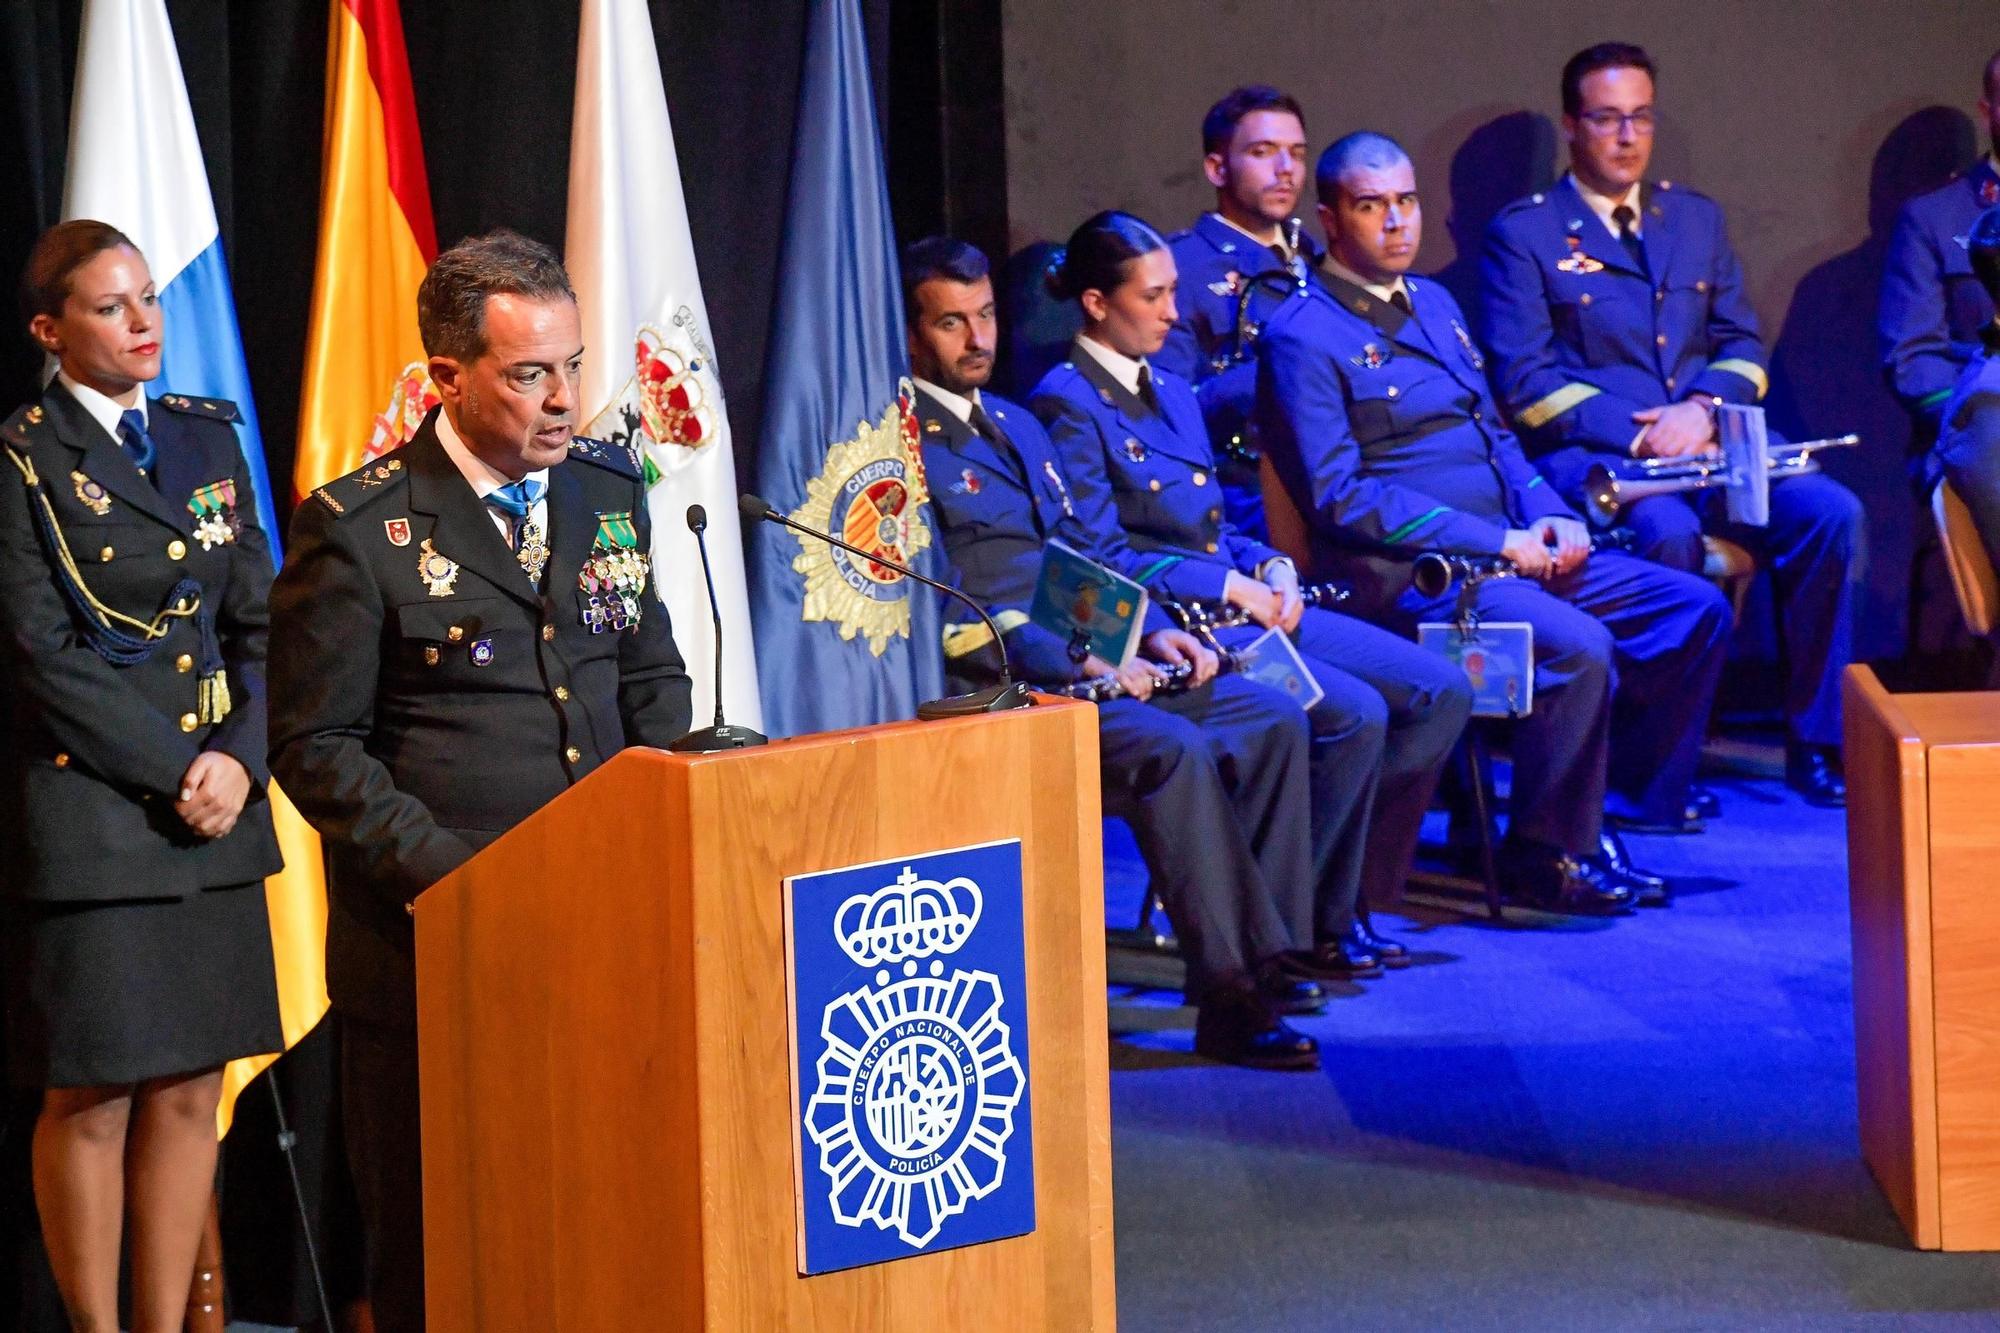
x,y
1729,567
1965,559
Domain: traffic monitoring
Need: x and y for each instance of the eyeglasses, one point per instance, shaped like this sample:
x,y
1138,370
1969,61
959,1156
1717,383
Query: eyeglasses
x,y
1606,122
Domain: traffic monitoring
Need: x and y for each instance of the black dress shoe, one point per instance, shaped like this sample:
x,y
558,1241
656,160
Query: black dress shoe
x,y
1648,889
1289,994
1813,771
1364,937
1553,882
1237,1027
1689,822
1330,960
1703,803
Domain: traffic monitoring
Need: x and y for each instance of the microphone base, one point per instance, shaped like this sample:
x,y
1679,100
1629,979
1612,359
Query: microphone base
x,y
992,699
713,740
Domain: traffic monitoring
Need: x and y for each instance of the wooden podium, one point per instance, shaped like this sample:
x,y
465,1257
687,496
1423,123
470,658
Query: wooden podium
x,y
1923,866
608,1120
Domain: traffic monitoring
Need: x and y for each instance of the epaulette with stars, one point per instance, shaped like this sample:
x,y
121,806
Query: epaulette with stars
x,y
620,458
215,409
364,485
22,427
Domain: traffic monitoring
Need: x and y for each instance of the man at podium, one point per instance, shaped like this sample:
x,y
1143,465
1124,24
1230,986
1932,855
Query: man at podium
x,y
463,630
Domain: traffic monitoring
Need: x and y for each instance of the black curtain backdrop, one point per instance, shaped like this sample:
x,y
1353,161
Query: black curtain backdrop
x,y
494,83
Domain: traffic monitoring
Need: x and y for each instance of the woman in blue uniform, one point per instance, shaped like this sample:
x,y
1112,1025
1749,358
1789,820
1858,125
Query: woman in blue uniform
x,y
137,829
1142,474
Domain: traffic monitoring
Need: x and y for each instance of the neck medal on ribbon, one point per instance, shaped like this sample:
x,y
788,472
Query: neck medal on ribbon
x,y
614,575
534,551
214,510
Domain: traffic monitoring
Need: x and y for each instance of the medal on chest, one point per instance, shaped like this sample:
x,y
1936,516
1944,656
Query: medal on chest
x,y
1576,261
533,552
214,510
613,578
91,494
1062,491
1465,341
439,572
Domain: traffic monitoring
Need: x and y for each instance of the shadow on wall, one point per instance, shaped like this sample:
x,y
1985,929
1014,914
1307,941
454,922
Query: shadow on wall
x,y
1035,328
1508,156
1826,378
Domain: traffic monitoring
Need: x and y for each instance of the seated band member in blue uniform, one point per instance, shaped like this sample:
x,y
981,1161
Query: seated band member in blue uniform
x,y
1967,452
1617,320
1143,480
1378,423
1933,308
1253,145
1213,780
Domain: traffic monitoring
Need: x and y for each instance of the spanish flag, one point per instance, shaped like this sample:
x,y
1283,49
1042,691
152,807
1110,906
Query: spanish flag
x,y
365,386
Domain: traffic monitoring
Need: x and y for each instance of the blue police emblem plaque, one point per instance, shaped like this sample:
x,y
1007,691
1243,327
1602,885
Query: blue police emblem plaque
x,y
910,1061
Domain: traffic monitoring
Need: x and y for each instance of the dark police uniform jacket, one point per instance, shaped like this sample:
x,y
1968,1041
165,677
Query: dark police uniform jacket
x,y
1382,429
414,724
98,751
1932,307
1582,337
999,509
1145,483
1214,261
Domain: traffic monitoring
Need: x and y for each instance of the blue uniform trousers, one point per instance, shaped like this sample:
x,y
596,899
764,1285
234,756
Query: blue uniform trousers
x,y
1213,783
1810,546
1627,657
1380,738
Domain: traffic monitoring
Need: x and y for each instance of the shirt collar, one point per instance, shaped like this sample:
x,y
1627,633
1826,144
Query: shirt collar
x,y
1603,204
1123,368
1379,291
958,404
1258,241
104,411
482,476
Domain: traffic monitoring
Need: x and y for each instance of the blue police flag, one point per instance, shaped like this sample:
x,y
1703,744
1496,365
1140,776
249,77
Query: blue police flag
x,y
841,641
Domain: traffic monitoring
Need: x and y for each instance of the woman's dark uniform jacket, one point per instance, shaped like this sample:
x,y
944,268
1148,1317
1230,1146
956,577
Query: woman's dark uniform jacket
x,y
414,727
98,751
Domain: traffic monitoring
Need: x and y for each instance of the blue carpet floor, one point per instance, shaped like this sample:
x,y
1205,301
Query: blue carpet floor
x,y
1641,1124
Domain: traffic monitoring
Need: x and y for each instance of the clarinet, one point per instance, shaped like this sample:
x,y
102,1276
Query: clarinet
x,y
1434,572
1176,678
1211,616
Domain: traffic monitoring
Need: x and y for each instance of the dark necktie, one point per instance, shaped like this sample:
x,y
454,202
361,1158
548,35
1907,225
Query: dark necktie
x,y
133,439
1625,217
1401,300
989,431
1147,393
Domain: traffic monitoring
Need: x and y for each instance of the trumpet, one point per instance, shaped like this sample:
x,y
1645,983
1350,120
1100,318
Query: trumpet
x,y
1605,492
1433,572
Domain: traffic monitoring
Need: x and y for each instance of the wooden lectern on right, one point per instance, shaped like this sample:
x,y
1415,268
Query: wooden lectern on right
x,y
1923,869
609,1127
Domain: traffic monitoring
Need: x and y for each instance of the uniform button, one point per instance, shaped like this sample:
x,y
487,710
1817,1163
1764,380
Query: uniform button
x,y
177,549
1211,548
455,633
1236,439
1701,285
1153,485
573,754
1392,391
189,721
106,554
1670,381
1659,340
1475,414
1584,299
1201,479
409,909
182,606
548,633
1660,295
1214,514
562,694
183,664
62,761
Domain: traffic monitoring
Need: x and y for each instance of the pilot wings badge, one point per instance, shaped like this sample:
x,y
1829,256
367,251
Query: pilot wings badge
x,y
910,1101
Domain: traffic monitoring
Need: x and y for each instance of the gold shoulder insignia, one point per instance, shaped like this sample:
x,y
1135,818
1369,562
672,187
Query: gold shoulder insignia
x,y
326,498
216,409
21,426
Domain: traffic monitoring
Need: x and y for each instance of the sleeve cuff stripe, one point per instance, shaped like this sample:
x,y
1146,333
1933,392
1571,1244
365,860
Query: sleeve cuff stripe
x,y
1934,399
1157,568
1545,410
1400,533
1745,369
962,639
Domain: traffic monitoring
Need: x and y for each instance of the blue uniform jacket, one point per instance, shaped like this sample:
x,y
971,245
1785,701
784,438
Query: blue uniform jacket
x,y
1386,437
1214,260
1144,483
998,509
1582,338
1932,307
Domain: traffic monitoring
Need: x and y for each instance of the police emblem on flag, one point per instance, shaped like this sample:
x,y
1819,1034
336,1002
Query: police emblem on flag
x,y
871,492
919,1076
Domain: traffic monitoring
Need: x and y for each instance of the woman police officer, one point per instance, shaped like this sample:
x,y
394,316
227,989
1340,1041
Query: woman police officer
x,y
137,828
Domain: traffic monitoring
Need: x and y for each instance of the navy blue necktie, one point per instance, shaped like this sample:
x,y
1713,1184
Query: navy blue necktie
x,y
517,499
133,439
1624,217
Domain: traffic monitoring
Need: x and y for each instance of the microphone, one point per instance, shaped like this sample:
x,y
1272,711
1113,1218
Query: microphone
x,y
721,736
1009,693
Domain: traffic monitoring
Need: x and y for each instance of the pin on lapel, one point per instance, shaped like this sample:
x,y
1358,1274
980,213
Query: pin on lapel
x,y
91,494
439,572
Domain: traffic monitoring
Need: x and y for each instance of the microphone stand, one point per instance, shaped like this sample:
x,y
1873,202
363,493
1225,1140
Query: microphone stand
x,y
721,736
1009,693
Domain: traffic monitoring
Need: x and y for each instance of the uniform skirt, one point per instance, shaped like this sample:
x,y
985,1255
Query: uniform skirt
x,y
107,993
